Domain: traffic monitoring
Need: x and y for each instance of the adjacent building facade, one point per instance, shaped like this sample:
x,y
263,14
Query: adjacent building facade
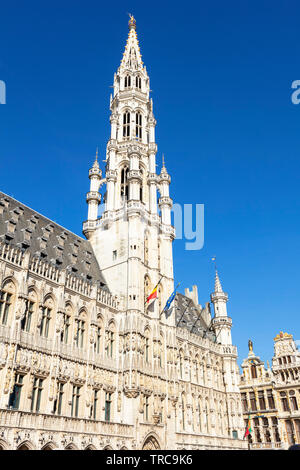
x,y
85,361
271,396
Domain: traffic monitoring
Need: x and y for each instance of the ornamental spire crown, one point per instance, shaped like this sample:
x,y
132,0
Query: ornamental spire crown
x,y
132,58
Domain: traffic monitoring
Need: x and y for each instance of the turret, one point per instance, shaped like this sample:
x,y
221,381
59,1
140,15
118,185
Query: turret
x,y
165,202
93,197
221,322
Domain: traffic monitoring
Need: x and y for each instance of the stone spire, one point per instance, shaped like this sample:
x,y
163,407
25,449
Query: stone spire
x,y
132,59
221,322
218,285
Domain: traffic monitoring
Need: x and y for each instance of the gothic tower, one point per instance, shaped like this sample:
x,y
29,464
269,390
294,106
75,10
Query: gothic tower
x,y
133,236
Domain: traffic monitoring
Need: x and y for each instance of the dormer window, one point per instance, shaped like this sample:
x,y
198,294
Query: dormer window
x,y
126,124
127,81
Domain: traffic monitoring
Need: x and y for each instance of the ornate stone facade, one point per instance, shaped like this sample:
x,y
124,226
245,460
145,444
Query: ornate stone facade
x,y
271,397
85,361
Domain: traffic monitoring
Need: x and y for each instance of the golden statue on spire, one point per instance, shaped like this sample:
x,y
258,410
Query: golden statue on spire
x,y
132,22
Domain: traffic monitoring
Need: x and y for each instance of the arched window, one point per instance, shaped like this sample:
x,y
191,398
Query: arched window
x,y
138,125
110,341
80,330
64,335
126,124
97,344
127,81
45,319
124,182
6,301
29,312
138,82
141,187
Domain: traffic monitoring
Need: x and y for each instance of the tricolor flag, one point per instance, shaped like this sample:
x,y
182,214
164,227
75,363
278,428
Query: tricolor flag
x,y
153,294
249,429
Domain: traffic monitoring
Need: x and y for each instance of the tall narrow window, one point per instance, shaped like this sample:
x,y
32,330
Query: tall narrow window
x,y
98,341
57,406
253,372
15,396
80,333
138,127
271,399
26,321
147,350
127,81
146,409
138,82
75,401
45,322
126,124
124,182
5,306
244,402
261,398
36,394
66,328
183,412
94,407
107,406
110,344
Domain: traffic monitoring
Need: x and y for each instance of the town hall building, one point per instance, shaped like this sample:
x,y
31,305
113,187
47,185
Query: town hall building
x,y
85,361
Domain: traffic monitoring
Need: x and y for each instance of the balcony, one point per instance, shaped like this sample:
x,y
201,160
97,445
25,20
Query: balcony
x,y
25,419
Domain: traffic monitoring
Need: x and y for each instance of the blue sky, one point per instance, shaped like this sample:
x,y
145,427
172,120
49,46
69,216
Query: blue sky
x,y
221,75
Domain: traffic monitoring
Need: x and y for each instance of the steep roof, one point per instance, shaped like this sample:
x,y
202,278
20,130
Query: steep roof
x,y
189,316
25,228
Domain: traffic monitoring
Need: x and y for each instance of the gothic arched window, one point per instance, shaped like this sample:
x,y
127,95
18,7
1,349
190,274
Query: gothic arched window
x,y
46,318
127,81
138,82
126,124
6,301
124,182
138,127
29,312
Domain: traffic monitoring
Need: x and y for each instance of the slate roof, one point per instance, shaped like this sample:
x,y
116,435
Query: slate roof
x,y
25,228
188,316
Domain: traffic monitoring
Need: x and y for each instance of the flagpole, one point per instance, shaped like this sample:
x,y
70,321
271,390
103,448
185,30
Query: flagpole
x,y
154,288
171,302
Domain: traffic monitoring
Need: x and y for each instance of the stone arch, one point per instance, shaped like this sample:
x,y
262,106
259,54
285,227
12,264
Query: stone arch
x,y
26,445
48,446
90,447
151,443
124,448
71,447
108,448
3,445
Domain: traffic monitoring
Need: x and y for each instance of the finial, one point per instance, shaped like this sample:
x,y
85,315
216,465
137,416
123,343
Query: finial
x,y
132,22
250,345
214,259
97,154
163,160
